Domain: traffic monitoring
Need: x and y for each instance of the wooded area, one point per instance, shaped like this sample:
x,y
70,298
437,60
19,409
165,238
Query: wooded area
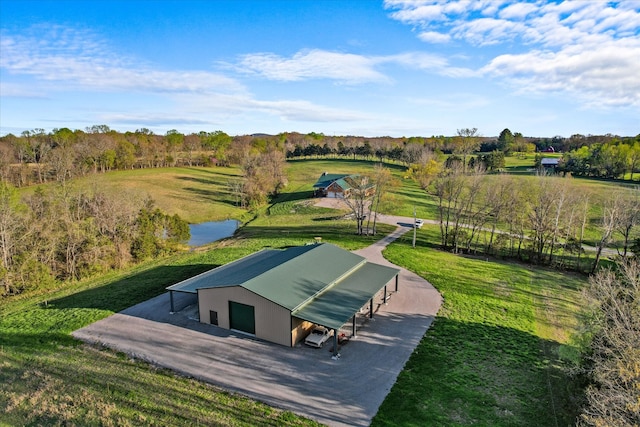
x,y
612,347
62,234
37,156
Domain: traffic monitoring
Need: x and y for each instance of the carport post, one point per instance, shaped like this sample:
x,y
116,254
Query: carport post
x,y
171,298
335,343
397,282
353,327
371,308
385,295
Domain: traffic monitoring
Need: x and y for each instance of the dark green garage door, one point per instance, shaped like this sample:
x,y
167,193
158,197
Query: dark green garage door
x,y
242,317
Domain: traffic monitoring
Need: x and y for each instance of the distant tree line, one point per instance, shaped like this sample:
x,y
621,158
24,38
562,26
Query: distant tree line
x,y
613,159
37,156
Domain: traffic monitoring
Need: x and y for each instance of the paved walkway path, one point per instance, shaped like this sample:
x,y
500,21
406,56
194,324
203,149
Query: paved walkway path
x,y
347,391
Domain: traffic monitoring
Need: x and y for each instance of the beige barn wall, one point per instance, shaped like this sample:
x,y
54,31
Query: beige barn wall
x,y
273,322
299,330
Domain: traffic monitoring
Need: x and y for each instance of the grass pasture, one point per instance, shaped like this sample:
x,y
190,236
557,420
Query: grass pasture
x,y
48,378
492,355
490,358
197,194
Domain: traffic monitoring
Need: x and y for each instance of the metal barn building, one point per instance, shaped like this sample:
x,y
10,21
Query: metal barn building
x,y
278,295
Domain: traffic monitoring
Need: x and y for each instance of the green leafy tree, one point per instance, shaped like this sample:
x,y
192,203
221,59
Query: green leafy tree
x,y
177,229
633,158
218,142
493,161
424,173
175,142
125,155
505,141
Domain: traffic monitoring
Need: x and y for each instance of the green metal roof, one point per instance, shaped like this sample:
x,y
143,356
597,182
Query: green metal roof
x,y
337,304
327,179
238,271
321,283
296,281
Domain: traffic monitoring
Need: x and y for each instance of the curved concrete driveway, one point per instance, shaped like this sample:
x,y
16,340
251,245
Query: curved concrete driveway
x,y
303,380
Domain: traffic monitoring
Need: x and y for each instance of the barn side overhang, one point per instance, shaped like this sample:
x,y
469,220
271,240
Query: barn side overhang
x,y
341,302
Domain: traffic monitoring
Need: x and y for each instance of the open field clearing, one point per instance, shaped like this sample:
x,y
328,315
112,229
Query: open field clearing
x,y
197,194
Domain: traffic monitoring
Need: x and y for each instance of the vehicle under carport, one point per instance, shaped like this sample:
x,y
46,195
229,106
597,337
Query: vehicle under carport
x,y
279,295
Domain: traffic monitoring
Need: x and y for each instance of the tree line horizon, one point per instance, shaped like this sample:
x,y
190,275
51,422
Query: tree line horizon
x,y
37,156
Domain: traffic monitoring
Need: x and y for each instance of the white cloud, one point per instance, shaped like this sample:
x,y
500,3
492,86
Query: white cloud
x,y
606,77
420,13
224,105
8,89
314,64
488,31
517,11
62,59
77,59
344,68
300,110
152,120
434,37
585,49
428,62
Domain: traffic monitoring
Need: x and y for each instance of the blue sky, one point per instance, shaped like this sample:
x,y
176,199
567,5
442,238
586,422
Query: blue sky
x,y
350,67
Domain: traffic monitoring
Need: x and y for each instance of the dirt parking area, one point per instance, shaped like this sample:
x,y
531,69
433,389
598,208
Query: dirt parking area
x,y
333,203
307,381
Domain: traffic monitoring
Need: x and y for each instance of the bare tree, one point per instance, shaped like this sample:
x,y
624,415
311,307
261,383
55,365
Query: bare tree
x,y
476,209
414,153
61,163
611,212
540,212
272,164
191,143
629,217
499,193
382,180
613,398
12,227
359,198
466,143
449,189
564,198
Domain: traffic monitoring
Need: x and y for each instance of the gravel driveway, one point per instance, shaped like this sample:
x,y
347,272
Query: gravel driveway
x,y
307,381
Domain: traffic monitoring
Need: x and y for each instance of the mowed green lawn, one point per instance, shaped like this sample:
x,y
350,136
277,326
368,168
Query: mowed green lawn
x,y
491,357
48,378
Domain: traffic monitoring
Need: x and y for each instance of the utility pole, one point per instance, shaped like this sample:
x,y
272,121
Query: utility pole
x,y
414,227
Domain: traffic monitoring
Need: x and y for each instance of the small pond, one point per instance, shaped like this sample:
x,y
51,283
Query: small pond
x,y
208,232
